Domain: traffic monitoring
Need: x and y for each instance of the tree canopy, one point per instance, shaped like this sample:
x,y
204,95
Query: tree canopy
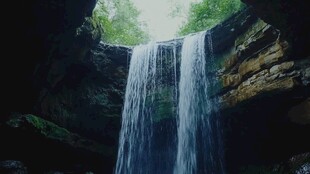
x,y
207,13
119,20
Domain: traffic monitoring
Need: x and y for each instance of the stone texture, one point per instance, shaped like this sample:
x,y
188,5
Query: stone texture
x,y
38,33
290,17
258,65
231,80
43,146
225,34
55,133
12,167
298,164
300,113
264,90
265,58
89,98
247,90
268,80
50,46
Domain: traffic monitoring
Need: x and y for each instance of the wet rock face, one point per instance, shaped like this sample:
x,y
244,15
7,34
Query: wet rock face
x,y
43,146
251,69
38,32
50,71
259,62
298,164
89,98
300,113
290,17
11,166
264,92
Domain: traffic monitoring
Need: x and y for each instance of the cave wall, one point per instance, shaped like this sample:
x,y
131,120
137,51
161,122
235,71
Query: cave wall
x,y
264,90
89,98
261,84
38,32
290,17
57,69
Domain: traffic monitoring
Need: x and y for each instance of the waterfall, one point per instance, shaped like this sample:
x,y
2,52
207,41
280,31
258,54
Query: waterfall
x,y
169,121
196,151
149,98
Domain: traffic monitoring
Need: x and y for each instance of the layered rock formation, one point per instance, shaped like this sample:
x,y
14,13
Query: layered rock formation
x,y
261,85
290,17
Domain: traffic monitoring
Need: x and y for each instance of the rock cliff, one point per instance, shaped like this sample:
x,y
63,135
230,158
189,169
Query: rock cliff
x,y
264,92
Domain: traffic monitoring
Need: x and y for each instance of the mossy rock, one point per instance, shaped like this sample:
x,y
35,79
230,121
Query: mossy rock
x,y
53,132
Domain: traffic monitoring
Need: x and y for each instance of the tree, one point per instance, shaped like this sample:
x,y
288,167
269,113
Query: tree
x,y
207,13
119,19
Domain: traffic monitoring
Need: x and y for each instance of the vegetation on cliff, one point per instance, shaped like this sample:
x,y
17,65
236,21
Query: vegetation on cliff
x,y
120,24
206,14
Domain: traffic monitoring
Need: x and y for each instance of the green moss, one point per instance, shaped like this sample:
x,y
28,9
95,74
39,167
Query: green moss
x,y
47,128
40,127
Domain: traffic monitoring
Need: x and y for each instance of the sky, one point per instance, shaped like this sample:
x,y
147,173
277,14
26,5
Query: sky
x,y
156,14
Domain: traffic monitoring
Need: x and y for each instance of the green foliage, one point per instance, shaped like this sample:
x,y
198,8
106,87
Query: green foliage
x,y
206,14
119,20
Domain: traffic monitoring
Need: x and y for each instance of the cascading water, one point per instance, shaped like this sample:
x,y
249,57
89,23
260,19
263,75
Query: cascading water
x,y
136,133
169,122
196,151
149,98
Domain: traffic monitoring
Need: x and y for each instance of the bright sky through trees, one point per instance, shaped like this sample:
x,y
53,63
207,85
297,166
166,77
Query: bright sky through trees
x,y
157,15
133,22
